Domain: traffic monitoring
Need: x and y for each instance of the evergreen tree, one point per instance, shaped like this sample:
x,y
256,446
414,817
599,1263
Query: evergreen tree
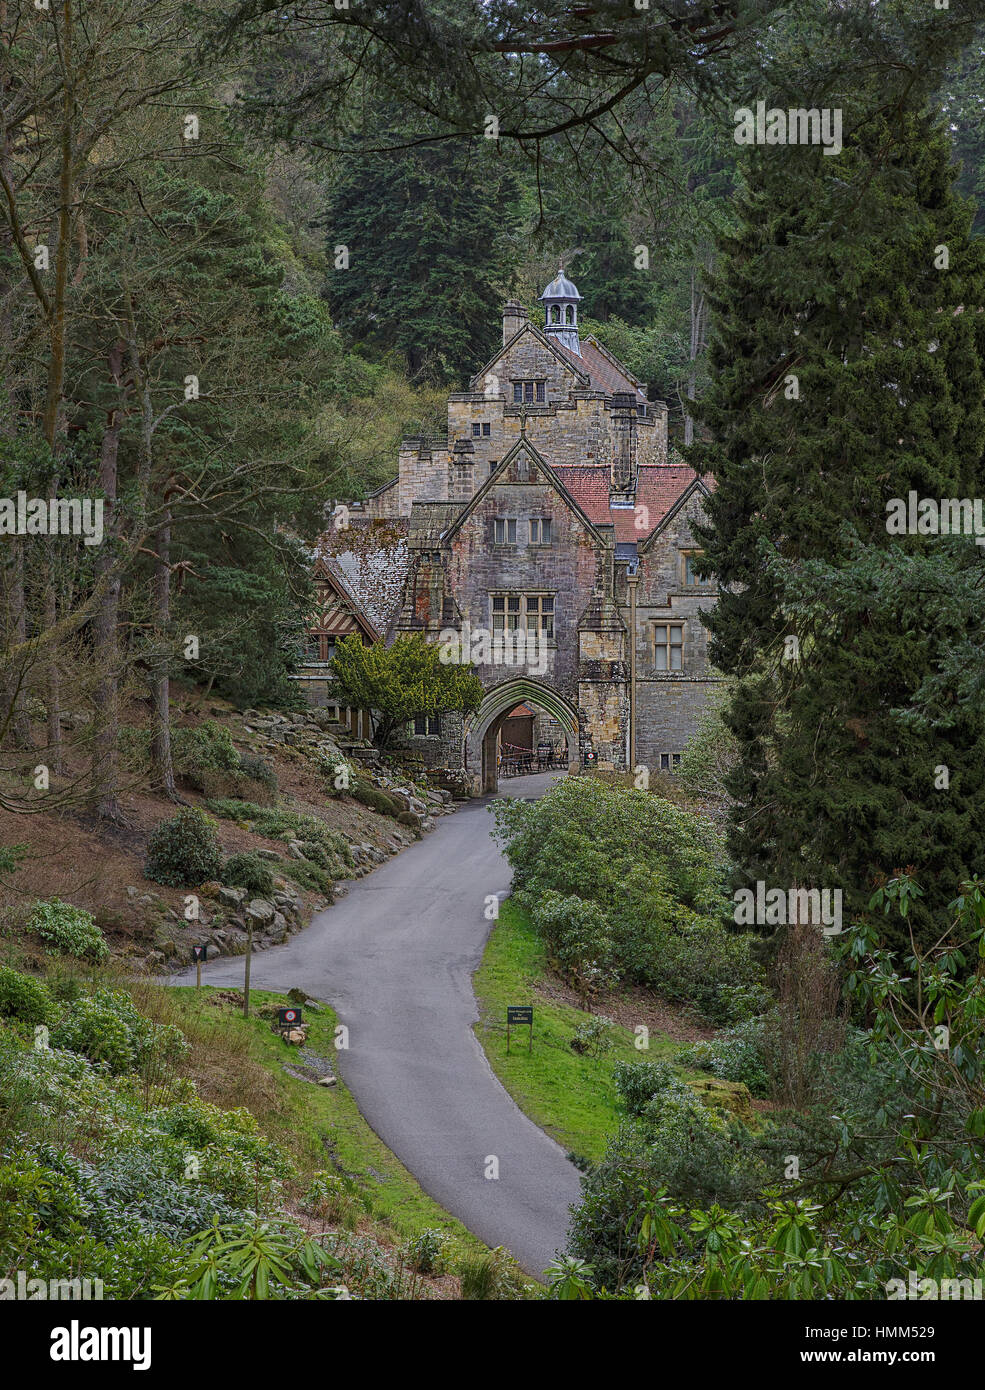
x,y
428,233
847,371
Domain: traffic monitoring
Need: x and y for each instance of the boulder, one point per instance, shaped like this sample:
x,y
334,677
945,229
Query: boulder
x,y
261,912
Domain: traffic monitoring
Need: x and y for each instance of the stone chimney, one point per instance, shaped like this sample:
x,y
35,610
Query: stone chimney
x,y
514,317
624,441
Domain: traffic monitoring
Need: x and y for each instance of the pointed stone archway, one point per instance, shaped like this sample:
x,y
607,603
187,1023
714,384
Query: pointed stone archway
x,y
482,728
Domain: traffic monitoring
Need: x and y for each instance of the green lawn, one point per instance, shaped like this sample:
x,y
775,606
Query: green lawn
x,y
570,1096
320,1127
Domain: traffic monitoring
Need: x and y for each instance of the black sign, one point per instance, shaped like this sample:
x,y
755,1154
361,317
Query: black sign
x,y
200,953
516,1013
288,1018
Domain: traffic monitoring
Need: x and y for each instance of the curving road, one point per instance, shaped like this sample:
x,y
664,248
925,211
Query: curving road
x,y
395,958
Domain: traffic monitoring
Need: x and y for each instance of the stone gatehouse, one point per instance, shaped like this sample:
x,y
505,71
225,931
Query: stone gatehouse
x,y
550,533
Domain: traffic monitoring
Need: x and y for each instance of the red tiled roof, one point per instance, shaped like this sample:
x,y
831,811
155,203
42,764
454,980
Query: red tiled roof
x,y
588,484
605,374
657,489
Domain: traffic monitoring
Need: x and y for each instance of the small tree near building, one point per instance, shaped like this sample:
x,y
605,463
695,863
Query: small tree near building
x,y
399,682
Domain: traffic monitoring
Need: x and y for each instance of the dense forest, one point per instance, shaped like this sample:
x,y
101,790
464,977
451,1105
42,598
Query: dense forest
x,y
245,249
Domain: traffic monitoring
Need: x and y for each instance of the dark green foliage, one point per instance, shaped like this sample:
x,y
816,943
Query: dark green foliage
x,y
207,748
106,1027
258,770
831,278
248,871
621,883
577,937
889,1169
25,998
428,232
738,1053
376,799
69,930
184,851
307,875
10,857
638,1082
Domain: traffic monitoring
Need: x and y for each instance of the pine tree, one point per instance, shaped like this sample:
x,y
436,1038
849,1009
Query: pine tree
x,y
847,371
428,235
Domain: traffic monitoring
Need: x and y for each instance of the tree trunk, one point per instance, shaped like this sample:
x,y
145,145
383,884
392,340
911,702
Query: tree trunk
x,y
105,752
15,724
160,681
56,365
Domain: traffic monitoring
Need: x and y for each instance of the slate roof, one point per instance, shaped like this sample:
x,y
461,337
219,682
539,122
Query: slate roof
x,y
429,520
372,559
606,372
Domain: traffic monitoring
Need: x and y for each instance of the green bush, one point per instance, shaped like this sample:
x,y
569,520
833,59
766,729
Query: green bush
x,y
106,1027
638,1082
577,936
248,871
307,876
589,838
735,1054
184,851
427,1252
493,1276
207,748
336,1199
622,884
689,966
259,770
68,929
25,998
594,1037
282,824
315,853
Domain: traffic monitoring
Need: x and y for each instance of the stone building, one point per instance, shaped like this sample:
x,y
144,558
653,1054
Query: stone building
x,y
550,536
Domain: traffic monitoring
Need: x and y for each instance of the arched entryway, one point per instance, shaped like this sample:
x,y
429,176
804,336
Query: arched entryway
x,y
482,728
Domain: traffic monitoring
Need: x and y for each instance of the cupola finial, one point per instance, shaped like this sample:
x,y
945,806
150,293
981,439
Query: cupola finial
x,y
560,301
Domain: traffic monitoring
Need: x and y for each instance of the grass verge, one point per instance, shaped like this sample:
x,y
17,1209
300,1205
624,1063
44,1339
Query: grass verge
x,y
239,1061
570,1095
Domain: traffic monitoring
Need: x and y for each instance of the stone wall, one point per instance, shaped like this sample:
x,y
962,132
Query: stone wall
x,y
669,704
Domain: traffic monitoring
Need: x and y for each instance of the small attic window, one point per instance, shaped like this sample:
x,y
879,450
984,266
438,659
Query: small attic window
x,y
529,391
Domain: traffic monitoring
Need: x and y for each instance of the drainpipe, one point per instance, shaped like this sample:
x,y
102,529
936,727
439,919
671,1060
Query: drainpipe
x,y
632,580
